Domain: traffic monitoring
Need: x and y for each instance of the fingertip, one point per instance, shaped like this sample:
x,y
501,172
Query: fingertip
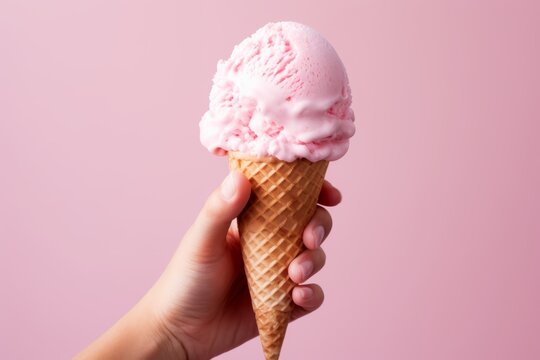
x,y
318,235
236,188
301,294
295,273
317,229
244,186
309,297
336,194
330,195
221,208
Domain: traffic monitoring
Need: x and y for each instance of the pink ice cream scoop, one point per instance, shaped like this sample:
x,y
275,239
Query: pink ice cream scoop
x,y
283,93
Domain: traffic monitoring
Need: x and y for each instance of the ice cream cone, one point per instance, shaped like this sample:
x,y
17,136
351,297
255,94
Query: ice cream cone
x,y
283,200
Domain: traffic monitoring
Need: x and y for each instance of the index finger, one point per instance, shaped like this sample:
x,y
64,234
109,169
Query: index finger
x,y
329,195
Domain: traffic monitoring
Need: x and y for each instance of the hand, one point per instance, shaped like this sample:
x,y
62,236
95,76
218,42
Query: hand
x,y
200,307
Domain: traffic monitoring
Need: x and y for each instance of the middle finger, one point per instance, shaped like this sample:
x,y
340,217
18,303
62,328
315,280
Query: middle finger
x,y
317,229
306,264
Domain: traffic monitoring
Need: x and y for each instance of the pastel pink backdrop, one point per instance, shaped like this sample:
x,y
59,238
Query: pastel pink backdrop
x,y
435,252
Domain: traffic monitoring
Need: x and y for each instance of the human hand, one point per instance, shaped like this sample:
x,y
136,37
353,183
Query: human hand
x,y
200,307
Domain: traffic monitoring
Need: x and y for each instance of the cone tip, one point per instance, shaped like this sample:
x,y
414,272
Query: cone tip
x,y
272,326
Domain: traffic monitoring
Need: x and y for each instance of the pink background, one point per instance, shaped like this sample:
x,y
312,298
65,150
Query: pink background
x,y
436,247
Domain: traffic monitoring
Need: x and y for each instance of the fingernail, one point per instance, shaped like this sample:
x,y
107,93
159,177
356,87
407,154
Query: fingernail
x,y
318,235
228,187
306,292
307,269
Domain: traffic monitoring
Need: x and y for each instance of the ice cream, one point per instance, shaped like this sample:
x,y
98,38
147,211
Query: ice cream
x,y
284,93
280,107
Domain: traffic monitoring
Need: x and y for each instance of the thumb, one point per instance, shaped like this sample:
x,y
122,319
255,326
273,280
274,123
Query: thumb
x,y
207,235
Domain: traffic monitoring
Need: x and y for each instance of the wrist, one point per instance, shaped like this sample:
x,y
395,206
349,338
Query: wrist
x,y
160,342
138,335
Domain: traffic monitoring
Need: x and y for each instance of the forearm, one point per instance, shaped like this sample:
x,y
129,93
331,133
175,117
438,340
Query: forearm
x,y
136,336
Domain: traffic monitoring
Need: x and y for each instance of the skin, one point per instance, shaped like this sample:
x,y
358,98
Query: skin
x,y
200,306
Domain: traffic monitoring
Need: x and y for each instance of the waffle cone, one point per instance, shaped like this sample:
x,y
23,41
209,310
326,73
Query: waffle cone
x,y
283,200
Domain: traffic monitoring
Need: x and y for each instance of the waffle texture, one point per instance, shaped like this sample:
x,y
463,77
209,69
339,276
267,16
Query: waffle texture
x,y
283,200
